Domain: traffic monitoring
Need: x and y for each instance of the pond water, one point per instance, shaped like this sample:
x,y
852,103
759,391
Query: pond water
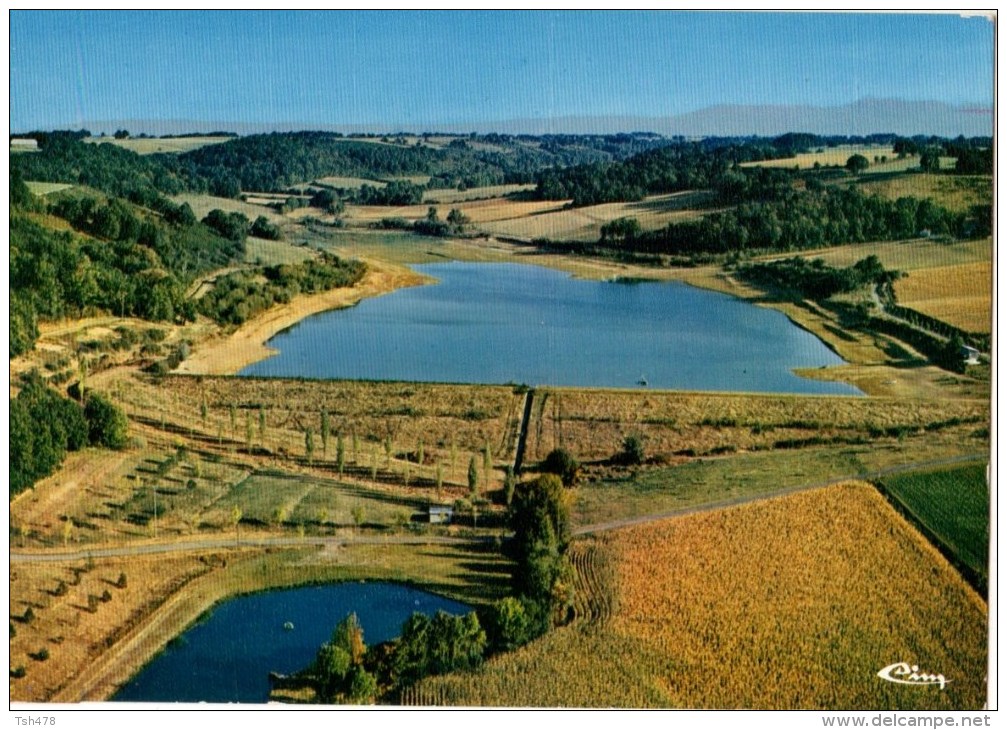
x,y
228,656
513,323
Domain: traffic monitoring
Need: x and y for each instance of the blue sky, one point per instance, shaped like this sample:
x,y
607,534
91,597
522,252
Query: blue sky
x,y
413,68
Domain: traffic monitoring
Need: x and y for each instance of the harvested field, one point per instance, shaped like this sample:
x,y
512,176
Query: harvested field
x,y
907,255
957,193
593,423
203,204
349,183
961,295
780,604
72,622
838,156
152,145
446,196
584,224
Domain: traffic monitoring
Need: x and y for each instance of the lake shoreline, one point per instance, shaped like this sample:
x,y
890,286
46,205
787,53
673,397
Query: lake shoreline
x,y
540,326
227,354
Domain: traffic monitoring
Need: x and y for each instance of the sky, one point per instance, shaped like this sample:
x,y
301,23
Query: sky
x,y
410,68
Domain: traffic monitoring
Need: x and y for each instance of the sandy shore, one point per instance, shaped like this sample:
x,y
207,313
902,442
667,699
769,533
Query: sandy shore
x,y
227,354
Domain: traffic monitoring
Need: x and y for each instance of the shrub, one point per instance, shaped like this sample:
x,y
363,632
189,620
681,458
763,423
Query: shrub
x,y
561,463
632,451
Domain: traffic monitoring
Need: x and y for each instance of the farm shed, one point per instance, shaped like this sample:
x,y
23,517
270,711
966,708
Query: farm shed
x,y
970,355
23,144
440,515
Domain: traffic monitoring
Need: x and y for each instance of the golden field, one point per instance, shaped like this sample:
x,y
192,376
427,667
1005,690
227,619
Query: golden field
x,y
790,603
961,295
152,145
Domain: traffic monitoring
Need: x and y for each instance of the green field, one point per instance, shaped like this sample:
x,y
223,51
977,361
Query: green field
x,y
44,188
954,505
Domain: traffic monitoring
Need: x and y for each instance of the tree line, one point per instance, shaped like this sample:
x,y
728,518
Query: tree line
x,y
713,164
45,425
126,260
800,219
346,670
239,296
276,162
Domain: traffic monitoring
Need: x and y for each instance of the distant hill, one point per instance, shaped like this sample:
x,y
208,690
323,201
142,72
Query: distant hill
x,y
863,117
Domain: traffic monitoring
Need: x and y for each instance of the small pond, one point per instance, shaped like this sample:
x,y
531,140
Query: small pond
x,y
227,656
513,323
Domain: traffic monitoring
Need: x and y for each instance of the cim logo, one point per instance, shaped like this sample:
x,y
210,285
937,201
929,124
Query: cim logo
x,y
903,673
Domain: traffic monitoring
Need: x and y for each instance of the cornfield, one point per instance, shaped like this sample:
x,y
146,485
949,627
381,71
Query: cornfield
x,y
794,602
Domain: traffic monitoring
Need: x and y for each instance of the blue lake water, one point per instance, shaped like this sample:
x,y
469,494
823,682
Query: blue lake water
x,y
228,656
512,323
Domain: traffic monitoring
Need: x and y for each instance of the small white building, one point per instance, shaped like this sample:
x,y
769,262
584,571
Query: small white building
x,y
970,355
23,145
441,514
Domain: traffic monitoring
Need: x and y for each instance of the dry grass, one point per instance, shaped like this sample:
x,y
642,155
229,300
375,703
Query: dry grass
x,y
65,623
838,156
960,295
262,252
149,146
954,192
449,195
350,183
907,255
584,224
795,602
45,188
91,652
592,424
203,204
194,472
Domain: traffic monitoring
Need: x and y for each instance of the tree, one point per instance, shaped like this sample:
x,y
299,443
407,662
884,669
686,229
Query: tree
x,y
262,228
487,465
930,160
325,431
473,476
539,515
358,514
309,444
510,481
236,516
857,164
338,668
508,624
340,453
107,424
561,463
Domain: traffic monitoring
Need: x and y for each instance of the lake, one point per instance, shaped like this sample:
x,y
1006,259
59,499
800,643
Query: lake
x,y
227,657
513,323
